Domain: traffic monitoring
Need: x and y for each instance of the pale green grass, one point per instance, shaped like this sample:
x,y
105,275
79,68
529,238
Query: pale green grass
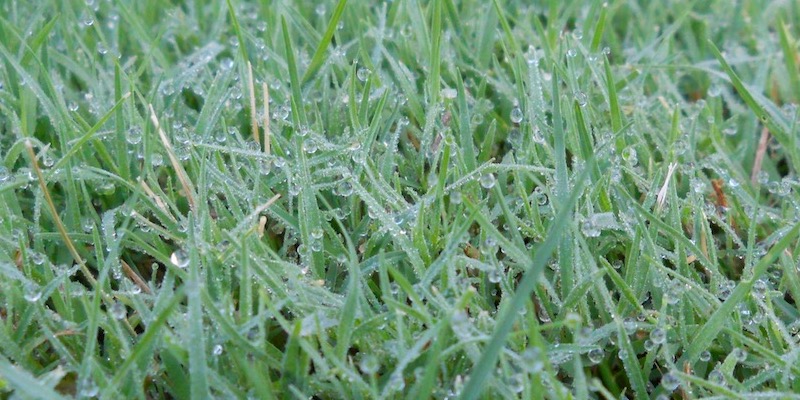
x,y
459,199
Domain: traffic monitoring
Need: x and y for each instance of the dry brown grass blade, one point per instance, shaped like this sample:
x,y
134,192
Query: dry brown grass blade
x,y
760,151
252,89
182,177
159,202
135,277
62,230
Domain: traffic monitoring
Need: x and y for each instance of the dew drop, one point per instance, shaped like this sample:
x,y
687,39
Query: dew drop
x,y
516,383
670,382
118,311
658,336
739,354
369,364
516,115
87,388
363,74
487,181
32,293
581,98
180,258
596,355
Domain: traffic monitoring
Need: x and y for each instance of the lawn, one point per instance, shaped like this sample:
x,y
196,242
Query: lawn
x,y
404,199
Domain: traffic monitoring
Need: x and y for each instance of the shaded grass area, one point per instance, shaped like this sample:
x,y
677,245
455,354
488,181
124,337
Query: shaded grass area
x,y
415,199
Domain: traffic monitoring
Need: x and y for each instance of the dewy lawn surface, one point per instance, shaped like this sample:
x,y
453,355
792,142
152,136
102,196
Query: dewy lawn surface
x,y
408,199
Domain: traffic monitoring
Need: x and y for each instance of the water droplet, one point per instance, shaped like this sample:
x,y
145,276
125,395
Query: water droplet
x,y
630,156
32,293
37,258
344,189
581,98
118,311
217,350
449,93
716,377
455,197
487,181
369,364
670,382
596,355
461,324
134,135
658,336
363,74
739,354
571,53
598,222
495,275
532,360
516,383
577,34
87,388
516,115
760,289
705,356
180,258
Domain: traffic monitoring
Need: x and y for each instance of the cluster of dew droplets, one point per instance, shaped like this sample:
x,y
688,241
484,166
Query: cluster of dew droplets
x,y
593,225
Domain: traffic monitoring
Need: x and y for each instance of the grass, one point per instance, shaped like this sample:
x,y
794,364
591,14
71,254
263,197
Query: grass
x,y
412,199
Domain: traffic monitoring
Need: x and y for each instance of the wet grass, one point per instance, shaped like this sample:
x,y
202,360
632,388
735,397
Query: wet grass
x,y
417,199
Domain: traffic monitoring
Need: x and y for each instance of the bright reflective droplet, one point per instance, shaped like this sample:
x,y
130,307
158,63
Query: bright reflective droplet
x,y
118,310
487,181
32,293
516,115
670,382
596,355
180,258
658,336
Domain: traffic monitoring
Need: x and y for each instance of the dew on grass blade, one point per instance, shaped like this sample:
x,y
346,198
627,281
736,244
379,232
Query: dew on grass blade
x,y
118,311
596,355
705,356
658,336
487,181
516,383
180,258
32,293
461,324
368,364
716,377
532,360
87,388
739,354
596,223
217,350
670,382
362,74
516,115
581,98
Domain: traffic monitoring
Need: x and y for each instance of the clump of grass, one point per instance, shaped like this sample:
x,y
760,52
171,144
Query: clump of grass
x,y
412,199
